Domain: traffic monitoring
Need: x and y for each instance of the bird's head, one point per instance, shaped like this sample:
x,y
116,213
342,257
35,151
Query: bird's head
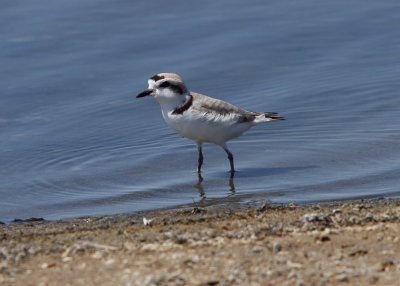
x,y
165,87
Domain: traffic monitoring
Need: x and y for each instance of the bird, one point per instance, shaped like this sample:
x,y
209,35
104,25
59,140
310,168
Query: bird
x,y
201,118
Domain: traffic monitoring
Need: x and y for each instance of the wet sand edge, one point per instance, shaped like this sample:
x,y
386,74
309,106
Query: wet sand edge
x,y
263,243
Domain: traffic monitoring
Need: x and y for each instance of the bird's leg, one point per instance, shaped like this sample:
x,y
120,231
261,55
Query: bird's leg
x,y
200,162
230,157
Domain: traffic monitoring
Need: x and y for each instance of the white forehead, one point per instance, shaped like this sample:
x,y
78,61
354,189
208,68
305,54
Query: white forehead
x,y
151,83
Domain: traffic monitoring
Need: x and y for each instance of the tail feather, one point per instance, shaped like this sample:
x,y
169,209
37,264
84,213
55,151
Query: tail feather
x,y
267,116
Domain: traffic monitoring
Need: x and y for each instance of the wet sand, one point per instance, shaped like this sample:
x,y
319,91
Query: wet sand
x,y
345,243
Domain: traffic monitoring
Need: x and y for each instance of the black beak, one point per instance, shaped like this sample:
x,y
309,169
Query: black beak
x,y
145,93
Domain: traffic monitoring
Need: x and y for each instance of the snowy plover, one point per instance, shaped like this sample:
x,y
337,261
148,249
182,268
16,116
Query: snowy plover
x,y
201,118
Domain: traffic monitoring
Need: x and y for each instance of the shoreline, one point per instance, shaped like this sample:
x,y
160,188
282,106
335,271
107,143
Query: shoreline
x,y
269,244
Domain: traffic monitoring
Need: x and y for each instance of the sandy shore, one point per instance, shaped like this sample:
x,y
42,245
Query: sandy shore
x,y
354,243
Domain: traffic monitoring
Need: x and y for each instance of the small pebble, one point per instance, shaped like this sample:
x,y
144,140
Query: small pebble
x,y
257,249
277,247
147,222
342,277
324,238
97,255
47,265
66,259
109,262
369,216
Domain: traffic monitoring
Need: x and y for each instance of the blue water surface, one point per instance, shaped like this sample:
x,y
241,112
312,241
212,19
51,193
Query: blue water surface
x,y
75,141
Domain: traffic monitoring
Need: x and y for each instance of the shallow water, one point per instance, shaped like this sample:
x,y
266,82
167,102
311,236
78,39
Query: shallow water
x,y
75,141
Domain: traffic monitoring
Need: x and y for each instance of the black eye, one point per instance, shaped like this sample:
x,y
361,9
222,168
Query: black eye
x,y
165,84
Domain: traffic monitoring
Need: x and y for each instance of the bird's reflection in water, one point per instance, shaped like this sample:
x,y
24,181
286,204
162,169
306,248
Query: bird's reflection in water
x,y
232,185
199,186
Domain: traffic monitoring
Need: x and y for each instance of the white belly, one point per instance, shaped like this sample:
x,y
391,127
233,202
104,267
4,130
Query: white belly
x,y
202,129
